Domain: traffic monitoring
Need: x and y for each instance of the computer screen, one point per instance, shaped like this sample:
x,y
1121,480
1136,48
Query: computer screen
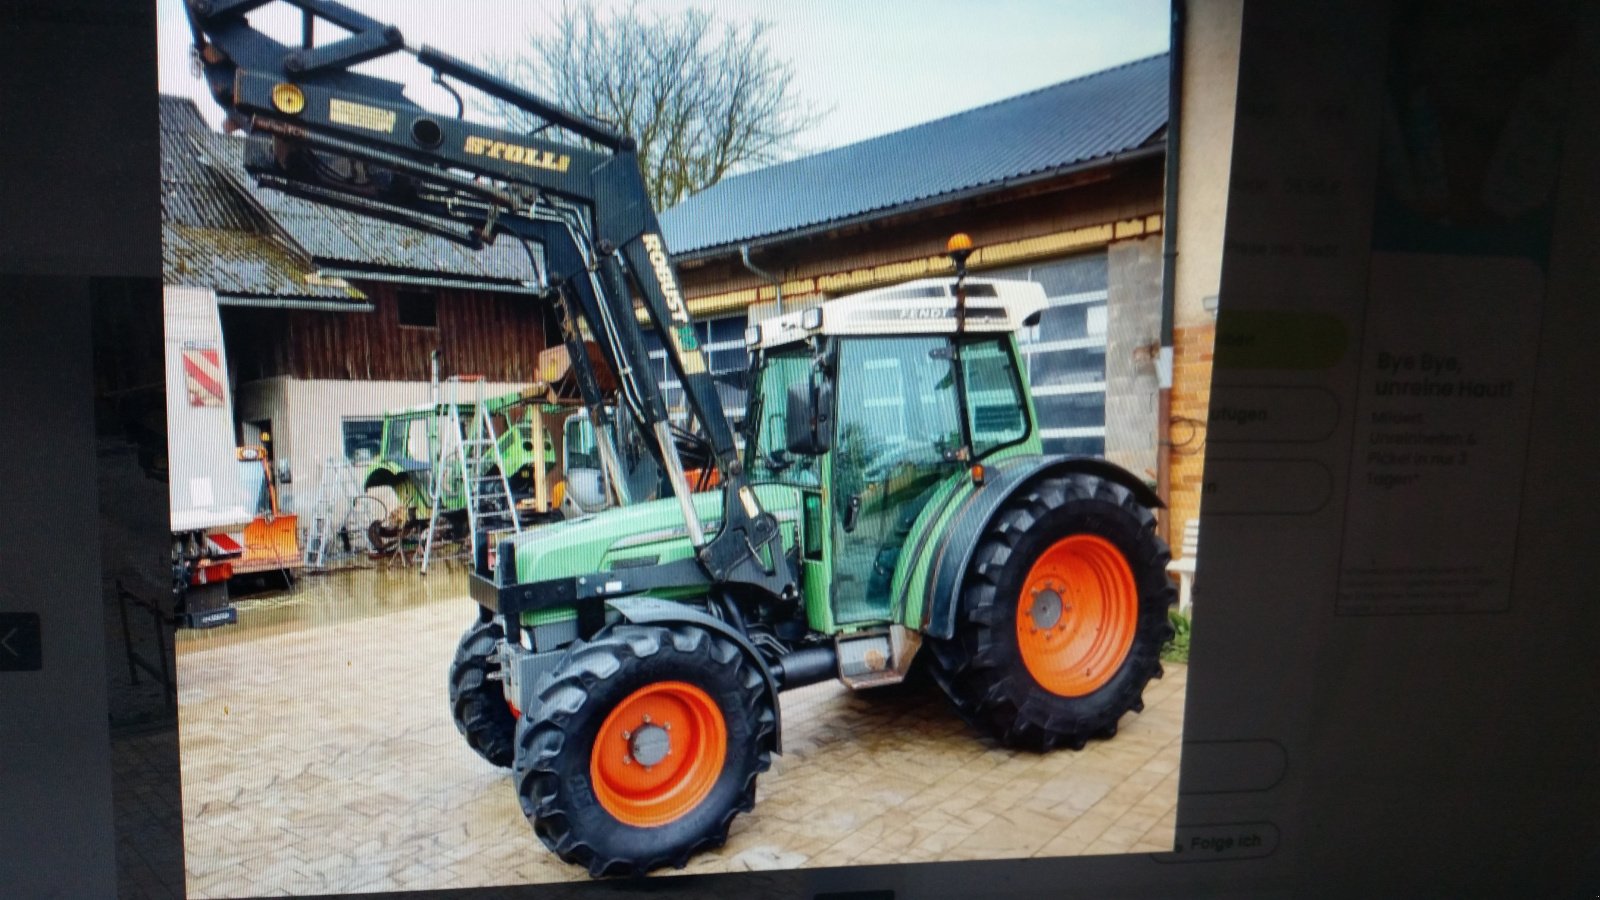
x,y
519,466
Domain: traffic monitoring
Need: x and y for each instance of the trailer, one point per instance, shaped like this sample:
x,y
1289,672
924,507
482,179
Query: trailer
x,y
208,508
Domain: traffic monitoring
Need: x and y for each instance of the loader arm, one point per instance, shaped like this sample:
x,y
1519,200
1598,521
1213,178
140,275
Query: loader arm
x,y
320,131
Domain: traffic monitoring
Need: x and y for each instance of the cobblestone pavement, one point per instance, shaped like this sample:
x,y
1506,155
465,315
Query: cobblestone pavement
x,y
319,756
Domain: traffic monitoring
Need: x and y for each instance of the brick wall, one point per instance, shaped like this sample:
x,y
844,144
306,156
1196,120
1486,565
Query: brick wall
x,y
1191,399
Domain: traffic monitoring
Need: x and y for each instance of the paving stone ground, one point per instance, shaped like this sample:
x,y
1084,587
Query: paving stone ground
x,y
319,756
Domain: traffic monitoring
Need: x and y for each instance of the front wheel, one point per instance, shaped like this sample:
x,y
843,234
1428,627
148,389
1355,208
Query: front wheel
x,y
477,701
646,744
1063,613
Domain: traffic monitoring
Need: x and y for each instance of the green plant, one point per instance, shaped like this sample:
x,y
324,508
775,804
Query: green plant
x,y
1177,649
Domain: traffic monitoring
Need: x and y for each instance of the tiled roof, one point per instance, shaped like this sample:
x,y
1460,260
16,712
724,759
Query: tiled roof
x,y
1037,134
211,237
333,238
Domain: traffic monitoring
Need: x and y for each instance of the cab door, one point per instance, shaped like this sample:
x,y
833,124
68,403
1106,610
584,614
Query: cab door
x,y
896,419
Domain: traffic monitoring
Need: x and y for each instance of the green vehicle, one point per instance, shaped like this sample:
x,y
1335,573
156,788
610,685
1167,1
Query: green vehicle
x,y
636,700
409,461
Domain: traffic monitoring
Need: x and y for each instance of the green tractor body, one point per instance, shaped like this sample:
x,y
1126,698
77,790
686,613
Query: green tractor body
x,y
896,446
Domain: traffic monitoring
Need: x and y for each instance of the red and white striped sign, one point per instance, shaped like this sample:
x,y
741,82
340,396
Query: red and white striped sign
x,y
203,376
224,543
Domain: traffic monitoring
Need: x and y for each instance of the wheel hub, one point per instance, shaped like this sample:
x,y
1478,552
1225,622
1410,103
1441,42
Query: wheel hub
x,y
649,745
1046,609
658,754
1076,615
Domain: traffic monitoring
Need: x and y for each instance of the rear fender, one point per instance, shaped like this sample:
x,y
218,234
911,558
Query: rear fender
x,y
655,611
960,539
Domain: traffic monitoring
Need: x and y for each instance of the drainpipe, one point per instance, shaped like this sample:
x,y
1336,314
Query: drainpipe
x,y
1169,257
1164,369
777,286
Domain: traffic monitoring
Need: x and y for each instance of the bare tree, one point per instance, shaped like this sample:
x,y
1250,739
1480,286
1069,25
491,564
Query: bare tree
x,y
703,98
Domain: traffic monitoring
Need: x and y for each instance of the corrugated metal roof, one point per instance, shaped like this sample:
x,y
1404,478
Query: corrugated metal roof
x,y
336,236
211,237
1063,126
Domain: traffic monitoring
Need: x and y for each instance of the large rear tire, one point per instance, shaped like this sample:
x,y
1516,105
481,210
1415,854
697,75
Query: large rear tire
x,y
477,702
646,744
1062,616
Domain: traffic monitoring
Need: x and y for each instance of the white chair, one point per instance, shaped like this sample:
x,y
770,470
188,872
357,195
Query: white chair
x,y
1183,566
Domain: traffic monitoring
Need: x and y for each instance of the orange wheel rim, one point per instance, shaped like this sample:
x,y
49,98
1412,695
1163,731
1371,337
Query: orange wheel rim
x,y
1077,615
658,754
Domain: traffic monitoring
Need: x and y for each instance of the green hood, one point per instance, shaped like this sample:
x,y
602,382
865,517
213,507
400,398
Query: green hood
x,y
634,534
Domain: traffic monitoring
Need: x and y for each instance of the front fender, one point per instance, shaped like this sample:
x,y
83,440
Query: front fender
x,y
954,549
382,474
655,611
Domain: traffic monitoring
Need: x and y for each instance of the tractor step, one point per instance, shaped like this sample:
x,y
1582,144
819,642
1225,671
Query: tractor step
x,y
877,659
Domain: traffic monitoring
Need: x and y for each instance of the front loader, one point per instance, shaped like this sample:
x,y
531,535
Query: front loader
x,y
890,505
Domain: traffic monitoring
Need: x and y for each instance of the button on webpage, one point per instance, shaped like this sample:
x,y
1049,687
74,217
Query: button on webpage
x,y
20,649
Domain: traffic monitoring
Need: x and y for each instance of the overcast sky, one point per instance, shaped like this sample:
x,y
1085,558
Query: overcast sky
x,y
874,66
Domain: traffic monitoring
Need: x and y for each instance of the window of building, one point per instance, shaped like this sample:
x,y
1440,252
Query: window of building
x,y
363,438
1065,353
727,358
418,309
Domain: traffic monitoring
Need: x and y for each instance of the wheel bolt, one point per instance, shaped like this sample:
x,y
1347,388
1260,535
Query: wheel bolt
x,y
627,760
647,718
626,734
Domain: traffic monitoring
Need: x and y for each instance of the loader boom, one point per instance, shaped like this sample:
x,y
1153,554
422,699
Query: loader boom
x,y
320,131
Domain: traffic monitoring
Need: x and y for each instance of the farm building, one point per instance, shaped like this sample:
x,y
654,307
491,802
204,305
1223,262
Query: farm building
x,y
1065,186
329,319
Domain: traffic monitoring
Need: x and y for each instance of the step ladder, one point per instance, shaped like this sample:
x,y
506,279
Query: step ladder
x,y
470,457
337,489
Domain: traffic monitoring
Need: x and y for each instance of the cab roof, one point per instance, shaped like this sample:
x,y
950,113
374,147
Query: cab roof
x,y
925,306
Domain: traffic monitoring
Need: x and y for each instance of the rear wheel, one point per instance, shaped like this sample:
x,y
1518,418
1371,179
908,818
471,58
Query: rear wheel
x,y
1062,615
647,743
477,702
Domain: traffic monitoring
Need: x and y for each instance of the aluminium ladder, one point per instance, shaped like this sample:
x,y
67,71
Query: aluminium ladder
x,y
472,454
336,488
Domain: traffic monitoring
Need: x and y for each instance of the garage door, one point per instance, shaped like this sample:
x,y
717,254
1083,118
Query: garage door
x,y
1066,352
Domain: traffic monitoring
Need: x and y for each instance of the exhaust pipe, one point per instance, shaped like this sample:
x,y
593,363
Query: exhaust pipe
x,y
808,666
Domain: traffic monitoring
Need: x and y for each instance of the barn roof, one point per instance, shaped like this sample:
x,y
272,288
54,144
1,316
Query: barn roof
x,y
1079,123
335,240
212,237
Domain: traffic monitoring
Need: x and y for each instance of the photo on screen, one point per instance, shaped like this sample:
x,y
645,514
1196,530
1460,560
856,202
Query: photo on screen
x,y
614,439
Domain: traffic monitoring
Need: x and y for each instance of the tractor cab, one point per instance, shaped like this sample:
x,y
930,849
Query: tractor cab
x,y
860,404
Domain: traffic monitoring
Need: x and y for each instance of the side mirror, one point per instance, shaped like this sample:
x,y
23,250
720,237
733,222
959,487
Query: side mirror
x,y
809,424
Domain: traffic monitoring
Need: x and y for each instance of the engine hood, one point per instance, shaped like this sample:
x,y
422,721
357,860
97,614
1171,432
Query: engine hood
x,y
642,534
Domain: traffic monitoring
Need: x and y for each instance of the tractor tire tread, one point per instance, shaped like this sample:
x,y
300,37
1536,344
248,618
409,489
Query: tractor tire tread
x,y
477,703
977,671
569,695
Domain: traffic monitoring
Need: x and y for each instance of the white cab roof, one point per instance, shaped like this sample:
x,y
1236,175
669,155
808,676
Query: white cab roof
x,y
926,306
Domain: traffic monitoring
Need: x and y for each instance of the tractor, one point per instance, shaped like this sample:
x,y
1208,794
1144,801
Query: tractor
x,y
895,444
